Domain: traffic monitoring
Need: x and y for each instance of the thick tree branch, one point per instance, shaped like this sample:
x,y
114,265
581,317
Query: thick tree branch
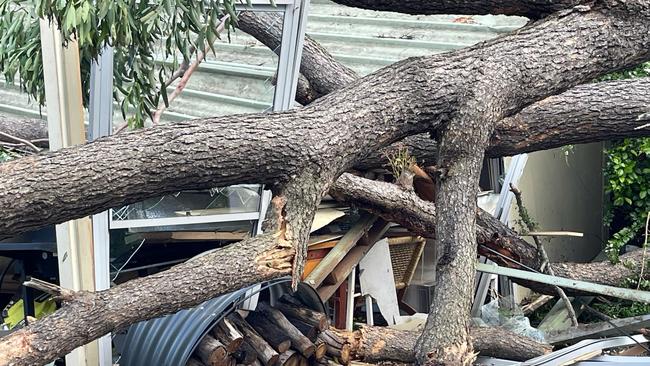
x,y
586,113
533,9
90,315
86,316
403,206
322,72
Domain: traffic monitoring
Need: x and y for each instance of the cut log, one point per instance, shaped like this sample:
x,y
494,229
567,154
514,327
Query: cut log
x,y
194,362
330,337
299,340
245,355
308,330
265,352
228,334
275,336
321,349
289,358
336,346
291,311
375,344
210,351
342,355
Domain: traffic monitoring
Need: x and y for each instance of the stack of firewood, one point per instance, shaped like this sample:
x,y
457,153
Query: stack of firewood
x,y
287,334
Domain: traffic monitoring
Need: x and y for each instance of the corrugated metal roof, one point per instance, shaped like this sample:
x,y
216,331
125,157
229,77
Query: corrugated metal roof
x,y
170,340
238,78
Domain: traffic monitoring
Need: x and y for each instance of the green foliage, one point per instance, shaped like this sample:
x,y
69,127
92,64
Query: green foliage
x,y
623,308
627,181
4,155
640,71
143,33
618,308
20,47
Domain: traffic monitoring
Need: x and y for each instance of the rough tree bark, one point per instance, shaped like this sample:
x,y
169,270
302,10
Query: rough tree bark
x,y
375,344
533,9
26,129
300,153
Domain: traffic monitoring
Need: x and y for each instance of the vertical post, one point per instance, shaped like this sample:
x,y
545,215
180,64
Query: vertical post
x,y
62,79
340,305
349,306
100,112
369,314
293,35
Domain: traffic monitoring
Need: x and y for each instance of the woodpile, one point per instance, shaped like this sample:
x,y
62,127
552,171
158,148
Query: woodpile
x,y
290,334
286,334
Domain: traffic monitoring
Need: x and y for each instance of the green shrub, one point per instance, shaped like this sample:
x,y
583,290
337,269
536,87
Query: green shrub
x,y
627,182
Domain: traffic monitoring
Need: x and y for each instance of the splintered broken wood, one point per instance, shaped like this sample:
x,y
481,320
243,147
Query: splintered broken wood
x,y
353,258
340,250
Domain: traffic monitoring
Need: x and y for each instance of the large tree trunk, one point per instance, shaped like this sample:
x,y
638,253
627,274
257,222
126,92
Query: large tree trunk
x,y
300,153
376,344
26,129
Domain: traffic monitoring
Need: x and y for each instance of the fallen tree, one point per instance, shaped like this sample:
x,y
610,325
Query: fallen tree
x,y
459,97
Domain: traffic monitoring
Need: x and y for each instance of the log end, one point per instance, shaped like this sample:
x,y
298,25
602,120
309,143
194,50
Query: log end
x,y
234,345
284,346
310,350
320,350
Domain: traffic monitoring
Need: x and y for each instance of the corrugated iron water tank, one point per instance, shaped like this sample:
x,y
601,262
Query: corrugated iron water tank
x,y
171,339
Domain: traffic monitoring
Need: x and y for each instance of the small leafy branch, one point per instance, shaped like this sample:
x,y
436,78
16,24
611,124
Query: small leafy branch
x,y
400,160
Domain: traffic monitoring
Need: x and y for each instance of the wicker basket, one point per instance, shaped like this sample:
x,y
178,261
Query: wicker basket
x,y
405,252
